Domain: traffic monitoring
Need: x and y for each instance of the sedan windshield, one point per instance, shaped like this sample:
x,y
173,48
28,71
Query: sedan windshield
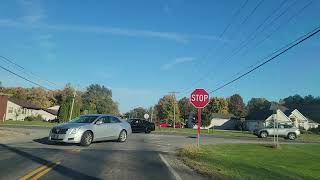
x,y
84,119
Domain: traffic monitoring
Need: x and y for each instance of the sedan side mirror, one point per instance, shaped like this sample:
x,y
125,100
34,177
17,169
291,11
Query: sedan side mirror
x,y
99,122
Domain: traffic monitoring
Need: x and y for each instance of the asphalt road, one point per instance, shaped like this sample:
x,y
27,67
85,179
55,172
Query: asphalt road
x,y
143,156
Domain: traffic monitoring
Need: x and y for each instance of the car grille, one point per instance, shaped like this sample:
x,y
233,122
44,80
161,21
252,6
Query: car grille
x,y
59,131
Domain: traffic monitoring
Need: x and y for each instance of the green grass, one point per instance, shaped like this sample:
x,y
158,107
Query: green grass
x,y
309,137
33,123
230,133
210,132
255,161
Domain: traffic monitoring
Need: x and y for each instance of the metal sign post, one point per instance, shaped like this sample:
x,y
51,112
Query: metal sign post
x,y
199,99
199,125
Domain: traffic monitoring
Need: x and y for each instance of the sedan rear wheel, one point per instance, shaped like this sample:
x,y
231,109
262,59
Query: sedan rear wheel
x,y
86,138
122,136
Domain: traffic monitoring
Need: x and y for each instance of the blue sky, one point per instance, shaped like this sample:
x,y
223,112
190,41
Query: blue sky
x,y
144,49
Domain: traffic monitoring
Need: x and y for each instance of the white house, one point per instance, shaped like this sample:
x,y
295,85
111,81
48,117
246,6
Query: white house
x,y
295,118
299,120
220,121
279,117
14,109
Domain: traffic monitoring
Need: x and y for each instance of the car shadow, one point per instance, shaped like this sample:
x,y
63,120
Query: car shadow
x,y
45,141
192,137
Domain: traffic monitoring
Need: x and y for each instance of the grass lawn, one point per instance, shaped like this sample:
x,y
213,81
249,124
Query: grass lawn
x,y
37,123
302,137
255,161
204,131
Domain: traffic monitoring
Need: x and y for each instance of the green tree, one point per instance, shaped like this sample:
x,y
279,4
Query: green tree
x,y
236,106
138,112
258,109
165,109
308,105
98,99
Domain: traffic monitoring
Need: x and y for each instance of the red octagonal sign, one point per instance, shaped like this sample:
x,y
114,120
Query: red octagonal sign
x,y
199,98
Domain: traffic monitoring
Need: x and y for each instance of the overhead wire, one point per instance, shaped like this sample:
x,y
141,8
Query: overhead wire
x,y
24,78
270,34
293,44
25,71
253,35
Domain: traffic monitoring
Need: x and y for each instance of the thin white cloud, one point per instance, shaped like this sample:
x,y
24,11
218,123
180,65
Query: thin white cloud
x,y
177,61
178,37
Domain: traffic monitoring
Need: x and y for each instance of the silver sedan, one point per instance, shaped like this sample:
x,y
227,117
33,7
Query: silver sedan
x,y
89,128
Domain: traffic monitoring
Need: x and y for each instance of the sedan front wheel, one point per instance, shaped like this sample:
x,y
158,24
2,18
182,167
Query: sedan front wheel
x,y
122,136
86,138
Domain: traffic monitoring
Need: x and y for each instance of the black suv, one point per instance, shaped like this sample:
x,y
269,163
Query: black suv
x,y
141,125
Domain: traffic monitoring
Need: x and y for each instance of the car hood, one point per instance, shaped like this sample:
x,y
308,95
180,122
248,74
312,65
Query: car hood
x,y
71,125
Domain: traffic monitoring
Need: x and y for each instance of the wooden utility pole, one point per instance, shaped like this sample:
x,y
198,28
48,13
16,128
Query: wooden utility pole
x,y
173,93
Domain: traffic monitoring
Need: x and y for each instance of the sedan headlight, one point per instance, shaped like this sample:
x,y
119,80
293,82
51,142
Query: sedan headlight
x,y
74,130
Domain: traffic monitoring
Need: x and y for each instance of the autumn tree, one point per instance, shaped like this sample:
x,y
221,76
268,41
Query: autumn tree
x,y
165,109
236,105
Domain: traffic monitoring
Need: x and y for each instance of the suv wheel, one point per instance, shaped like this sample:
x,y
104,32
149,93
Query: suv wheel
x,y
86,138
122,136
263,134
292,136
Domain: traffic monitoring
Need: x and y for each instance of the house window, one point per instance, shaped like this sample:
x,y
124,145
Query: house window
x,y
10,110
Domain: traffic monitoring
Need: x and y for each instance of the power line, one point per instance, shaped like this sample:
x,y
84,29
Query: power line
x,y
24,70
252,36
269,35
252,12
24,78
214,48
282,24
311,33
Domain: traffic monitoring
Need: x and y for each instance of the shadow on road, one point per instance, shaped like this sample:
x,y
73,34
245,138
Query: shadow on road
x,y
46,141
65,171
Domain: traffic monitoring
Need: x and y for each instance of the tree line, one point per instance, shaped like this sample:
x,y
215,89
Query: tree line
x,y
254,109
95,99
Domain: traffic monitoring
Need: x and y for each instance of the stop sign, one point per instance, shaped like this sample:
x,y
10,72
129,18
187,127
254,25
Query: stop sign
x,y
199,98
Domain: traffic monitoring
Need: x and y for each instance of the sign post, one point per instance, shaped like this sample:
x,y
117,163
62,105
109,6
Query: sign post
x,y
199,99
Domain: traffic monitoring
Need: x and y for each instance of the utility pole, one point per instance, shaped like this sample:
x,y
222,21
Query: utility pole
x,y
173,93
71,110
151,114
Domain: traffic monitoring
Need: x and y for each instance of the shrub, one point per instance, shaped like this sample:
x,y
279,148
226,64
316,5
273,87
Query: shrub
x,y
34,118
315,130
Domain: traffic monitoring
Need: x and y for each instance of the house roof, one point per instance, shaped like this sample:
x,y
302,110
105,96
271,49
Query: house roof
x,y
24,104
222,115
53,112
281,117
